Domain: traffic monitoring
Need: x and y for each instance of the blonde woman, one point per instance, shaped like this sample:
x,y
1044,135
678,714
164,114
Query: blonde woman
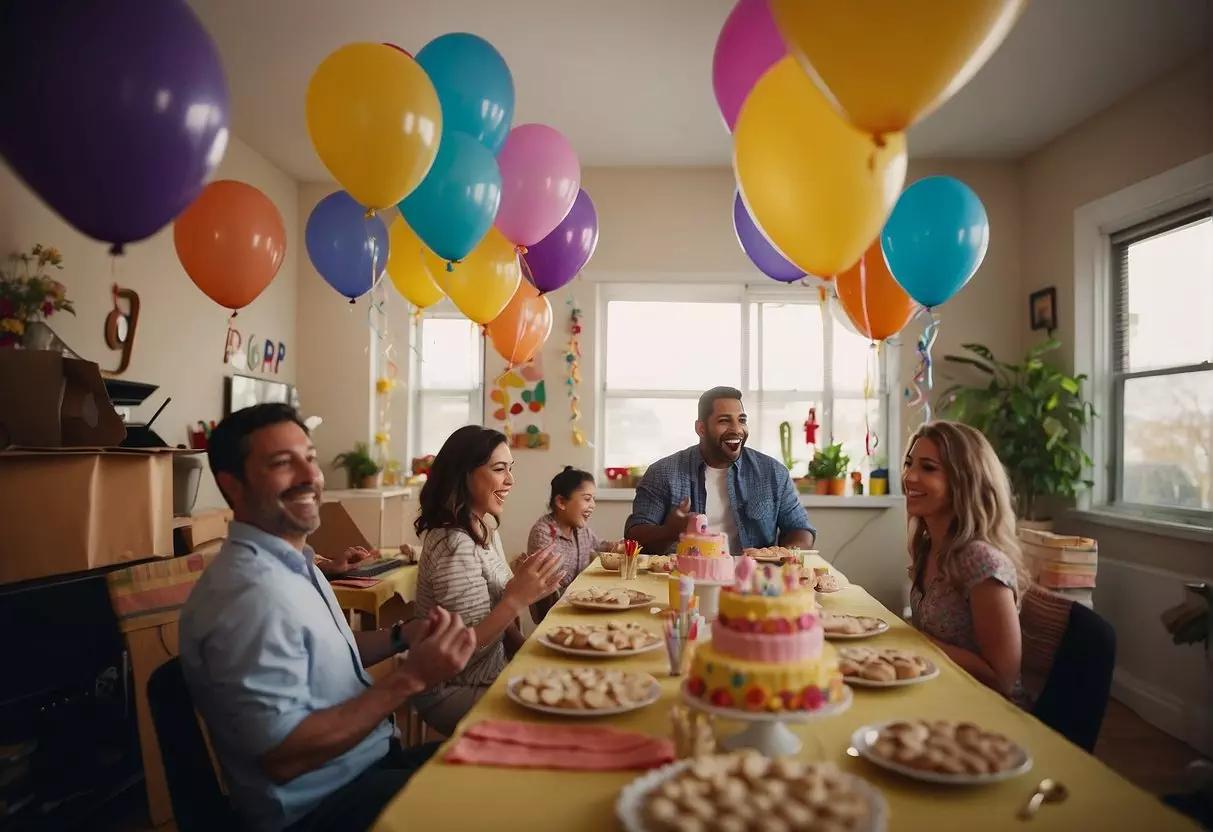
x,y
966,570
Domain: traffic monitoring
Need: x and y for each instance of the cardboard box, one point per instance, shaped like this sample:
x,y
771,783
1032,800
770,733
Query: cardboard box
x,y
50,401
206,527
337,532
72,510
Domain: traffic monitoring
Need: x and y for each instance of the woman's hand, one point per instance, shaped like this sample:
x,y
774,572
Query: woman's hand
x,y
537,576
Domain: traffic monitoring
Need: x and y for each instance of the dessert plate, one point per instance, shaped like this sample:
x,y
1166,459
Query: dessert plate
x,y
865,740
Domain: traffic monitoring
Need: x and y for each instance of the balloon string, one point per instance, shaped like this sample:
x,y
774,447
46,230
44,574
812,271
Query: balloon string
x,y
871,371
863,294
915,394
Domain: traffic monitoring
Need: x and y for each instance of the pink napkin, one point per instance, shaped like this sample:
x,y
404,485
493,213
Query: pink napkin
x,y
573,748
355,583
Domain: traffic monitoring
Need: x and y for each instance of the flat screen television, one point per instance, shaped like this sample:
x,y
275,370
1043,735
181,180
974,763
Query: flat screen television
x,y
245,391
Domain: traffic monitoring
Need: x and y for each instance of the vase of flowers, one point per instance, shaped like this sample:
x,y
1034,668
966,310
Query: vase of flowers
x,y
28,296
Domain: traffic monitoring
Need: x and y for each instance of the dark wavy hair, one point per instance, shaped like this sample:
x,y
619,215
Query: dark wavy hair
x,y
566,482
445,499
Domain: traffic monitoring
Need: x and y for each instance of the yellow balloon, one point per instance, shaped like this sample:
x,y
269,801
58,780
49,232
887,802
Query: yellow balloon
x,y
816,186
887,63
408,267
375,121
482,283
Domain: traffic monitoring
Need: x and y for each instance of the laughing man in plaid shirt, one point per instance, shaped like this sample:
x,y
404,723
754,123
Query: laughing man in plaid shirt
x,y
746,495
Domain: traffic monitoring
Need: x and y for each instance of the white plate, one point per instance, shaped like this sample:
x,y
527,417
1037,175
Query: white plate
x,y
597,654
932,672
654,688
587,605
863,739
883,628
629,807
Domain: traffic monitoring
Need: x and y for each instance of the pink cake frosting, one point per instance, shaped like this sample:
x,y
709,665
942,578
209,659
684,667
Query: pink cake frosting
x,y
706,569
767,647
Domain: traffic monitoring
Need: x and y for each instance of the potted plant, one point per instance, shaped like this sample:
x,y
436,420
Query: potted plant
x,y
360,467
878,480
828,468
28,296
1034,415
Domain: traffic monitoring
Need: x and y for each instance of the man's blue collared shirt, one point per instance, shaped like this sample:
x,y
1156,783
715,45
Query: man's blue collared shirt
x,y
764,501
263,645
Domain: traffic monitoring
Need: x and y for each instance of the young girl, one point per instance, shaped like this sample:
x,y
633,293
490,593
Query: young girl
x,y
966,570
567,526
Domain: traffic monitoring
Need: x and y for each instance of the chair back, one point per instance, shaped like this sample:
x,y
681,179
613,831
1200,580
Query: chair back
x,y
1075,694
199,804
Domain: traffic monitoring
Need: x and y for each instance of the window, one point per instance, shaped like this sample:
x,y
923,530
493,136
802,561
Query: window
x,y
449,372
1162,366
781,348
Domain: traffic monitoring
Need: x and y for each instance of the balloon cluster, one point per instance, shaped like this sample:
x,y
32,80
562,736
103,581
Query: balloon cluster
x,y
818,96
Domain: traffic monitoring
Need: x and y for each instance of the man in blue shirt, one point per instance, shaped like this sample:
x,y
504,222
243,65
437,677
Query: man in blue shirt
x,y
746,495
302,732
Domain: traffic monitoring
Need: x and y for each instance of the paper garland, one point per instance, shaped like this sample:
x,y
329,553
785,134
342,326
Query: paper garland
x,y
385,384
572,358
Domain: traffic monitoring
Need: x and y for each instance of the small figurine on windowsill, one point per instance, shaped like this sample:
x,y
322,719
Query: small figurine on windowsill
x,y
857,483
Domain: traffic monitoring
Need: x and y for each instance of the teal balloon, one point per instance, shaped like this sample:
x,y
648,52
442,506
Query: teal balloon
x,y
935,239
455,205
474,85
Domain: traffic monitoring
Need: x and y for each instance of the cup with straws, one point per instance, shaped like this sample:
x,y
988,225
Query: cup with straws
x,y
630,565
682,627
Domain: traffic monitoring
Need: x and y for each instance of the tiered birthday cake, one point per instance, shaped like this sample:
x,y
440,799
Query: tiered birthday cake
x,y
701,554
768,650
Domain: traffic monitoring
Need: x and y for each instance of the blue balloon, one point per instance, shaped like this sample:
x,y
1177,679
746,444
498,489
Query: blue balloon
x,y
935,239
474,84
347,247
455,205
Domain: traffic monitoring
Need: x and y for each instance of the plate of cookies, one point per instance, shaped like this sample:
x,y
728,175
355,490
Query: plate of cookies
x,y
583,691
942,751
888,668
663,564
843,627
614,639
600,598
744,791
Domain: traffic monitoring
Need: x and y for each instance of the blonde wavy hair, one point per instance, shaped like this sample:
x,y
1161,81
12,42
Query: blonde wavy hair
x,y
982,507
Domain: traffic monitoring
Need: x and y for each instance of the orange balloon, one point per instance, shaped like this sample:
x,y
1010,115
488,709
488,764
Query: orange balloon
x,y
231,242
870,296
523,327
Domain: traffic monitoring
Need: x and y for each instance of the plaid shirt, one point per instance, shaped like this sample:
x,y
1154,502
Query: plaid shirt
x,y
764,501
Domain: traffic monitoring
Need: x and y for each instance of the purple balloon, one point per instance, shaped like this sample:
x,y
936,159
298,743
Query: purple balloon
x,y
116,110
561,255
348,248
759,249
748,45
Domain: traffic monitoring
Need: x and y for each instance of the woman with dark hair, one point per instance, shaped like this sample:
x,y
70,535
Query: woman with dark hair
x,y
567,527
464,570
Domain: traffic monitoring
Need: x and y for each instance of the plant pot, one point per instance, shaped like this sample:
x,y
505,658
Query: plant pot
x,y
804,486
878,486
821,487
838,487
371,481
38,336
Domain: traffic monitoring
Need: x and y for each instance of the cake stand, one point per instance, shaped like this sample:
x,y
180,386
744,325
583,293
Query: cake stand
x,y
767,732
708,593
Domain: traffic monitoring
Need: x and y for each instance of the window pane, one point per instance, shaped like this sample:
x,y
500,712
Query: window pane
x,y
441,415
791,347
765,419
652,345
450,354
641,431
1171,298
849,430
1168,437
854,358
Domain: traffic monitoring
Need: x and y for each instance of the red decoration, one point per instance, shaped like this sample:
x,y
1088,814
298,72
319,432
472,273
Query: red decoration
x,y
810,427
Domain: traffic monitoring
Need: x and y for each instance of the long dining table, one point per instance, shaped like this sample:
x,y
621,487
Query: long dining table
x,y
465,798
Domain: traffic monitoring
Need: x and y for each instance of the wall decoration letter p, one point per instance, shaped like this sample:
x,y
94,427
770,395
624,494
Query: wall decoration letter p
x,y
281,355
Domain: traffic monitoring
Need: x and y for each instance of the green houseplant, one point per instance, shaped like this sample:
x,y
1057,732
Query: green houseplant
x,y
828,469
1033,414
361,468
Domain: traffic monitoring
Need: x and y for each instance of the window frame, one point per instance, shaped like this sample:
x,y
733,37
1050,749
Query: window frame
x,y
749,296
416,392
1099,227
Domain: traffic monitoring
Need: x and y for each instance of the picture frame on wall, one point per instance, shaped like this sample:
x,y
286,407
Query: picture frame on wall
x,y
1042,309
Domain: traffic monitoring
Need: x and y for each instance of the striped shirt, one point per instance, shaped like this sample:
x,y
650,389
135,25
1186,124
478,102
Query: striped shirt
x,y
469,580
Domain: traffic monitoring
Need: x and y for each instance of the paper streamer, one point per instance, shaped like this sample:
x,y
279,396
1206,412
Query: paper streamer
x,y
572,359
385,385
918,393
870,442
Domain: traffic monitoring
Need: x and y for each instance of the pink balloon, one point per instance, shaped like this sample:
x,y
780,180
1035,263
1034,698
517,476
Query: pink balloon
x,y
540,179
749,44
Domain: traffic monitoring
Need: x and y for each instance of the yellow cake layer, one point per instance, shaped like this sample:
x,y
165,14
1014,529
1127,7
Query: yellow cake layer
x,y
702,546
757,686
752,607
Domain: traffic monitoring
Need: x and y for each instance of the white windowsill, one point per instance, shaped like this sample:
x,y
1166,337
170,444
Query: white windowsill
x,y
626,495
1145,525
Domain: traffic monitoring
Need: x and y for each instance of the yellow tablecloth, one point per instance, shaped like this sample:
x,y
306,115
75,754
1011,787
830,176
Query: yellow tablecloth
x,y
402,582
468,798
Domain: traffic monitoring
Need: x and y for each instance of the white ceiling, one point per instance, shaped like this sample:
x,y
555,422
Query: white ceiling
x,y
629,81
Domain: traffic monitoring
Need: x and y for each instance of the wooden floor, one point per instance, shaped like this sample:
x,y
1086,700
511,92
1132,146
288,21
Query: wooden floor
x,y
1128,744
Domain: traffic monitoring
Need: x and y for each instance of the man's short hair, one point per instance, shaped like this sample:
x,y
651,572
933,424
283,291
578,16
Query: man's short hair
x,y
708,400
227,449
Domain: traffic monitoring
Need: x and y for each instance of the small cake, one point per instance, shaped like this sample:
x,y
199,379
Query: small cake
x,y
768,650
701,554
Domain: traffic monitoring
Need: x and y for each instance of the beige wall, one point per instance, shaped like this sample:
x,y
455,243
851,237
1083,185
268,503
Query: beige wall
x,y
181,333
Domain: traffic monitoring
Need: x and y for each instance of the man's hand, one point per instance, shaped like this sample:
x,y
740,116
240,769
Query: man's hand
x,y
440,653
677,519
416,629
347,560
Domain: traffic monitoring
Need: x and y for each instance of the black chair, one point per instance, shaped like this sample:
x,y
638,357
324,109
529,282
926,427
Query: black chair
x,y
1075,694
199,804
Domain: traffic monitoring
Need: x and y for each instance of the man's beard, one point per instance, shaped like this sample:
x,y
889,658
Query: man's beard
x,y
273,516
